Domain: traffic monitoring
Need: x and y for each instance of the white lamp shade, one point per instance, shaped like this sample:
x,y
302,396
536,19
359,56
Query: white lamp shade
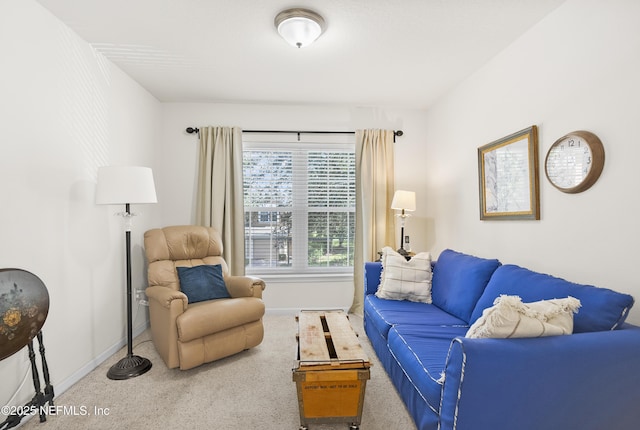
x,y
299,27
125,184
404,200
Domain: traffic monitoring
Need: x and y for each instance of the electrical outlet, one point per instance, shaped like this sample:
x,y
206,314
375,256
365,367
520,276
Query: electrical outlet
x,y
141,297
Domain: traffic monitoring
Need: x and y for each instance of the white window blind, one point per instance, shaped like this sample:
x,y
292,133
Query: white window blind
x,y
299,204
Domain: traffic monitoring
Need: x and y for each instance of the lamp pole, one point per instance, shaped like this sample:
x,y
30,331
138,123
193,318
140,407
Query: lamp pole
x,y
131,365
402,251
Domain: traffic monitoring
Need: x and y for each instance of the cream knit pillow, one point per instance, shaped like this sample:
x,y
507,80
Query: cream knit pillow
x,y
405,280
510,318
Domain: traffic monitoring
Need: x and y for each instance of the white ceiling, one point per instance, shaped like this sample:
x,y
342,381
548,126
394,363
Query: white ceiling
x,y
403,53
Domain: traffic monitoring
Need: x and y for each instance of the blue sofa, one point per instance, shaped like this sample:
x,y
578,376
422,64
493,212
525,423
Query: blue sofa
x,y
587,380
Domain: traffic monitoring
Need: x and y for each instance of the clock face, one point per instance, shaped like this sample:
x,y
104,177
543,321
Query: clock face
x,y
569,162
574,162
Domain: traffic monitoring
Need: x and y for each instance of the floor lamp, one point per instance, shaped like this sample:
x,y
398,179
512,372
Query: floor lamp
x,y
126,185
404,201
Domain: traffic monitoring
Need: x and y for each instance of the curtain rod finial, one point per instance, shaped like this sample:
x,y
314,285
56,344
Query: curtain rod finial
x,y
192,130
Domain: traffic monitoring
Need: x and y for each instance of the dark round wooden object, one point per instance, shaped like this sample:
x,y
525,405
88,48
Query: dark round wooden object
x,y
24,306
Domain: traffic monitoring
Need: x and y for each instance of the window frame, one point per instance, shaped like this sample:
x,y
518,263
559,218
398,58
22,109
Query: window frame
x,y
341,143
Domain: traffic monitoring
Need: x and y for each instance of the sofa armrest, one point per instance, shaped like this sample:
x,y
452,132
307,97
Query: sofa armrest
x,y
581,381
372,272
164,296
245,286
165,306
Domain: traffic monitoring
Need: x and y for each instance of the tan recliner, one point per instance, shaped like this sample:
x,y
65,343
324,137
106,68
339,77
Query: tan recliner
x,y
188,335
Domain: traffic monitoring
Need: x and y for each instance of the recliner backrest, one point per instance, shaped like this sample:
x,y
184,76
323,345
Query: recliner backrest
x,y
186,246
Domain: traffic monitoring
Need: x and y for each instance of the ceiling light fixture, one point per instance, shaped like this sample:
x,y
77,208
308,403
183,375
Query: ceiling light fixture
x,y
299,27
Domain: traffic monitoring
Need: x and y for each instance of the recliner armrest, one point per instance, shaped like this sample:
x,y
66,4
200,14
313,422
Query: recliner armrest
x,y
164,296
245,286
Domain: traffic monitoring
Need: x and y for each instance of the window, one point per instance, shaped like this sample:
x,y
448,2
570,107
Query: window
x,y
299,207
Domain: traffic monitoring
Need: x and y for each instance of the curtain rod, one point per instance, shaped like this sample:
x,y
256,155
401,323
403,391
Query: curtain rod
x,y
192,130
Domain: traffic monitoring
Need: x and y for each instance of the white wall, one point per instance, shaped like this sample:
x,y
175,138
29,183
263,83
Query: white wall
x,y
64,111
177,185
577,69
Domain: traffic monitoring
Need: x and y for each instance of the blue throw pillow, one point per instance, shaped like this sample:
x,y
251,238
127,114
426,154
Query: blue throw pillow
x,y
602,309
204,282
459,280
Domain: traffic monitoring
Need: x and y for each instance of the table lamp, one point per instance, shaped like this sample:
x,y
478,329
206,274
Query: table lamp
x,y
403,201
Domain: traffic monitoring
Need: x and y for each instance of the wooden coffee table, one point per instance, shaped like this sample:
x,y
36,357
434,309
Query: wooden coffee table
x,y
331,369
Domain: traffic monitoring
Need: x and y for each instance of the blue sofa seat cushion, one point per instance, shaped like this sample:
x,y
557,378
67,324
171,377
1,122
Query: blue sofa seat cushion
x,y
459,280
601,308
421,352
383,314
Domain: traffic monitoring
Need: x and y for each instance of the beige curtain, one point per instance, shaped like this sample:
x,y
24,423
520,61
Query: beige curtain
x,y
374,193
220,193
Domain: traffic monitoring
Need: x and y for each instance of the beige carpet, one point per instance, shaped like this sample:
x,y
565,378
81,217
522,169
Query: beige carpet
x,y
251,390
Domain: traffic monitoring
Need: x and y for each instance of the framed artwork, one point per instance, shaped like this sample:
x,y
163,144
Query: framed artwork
x,y
508,177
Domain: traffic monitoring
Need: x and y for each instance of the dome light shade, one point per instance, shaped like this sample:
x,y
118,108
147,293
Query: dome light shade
x,y
299,27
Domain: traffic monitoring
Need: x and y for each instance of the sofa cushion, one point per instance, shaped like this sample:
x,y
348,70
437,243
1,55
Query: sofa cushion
x,y
510,318
203,282
459,280
405,280
601,308
421,352
383,314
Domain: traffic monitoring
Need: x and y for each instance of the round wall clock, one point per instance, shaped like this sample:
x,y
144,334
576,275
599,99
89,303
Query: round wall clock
x,y
574,162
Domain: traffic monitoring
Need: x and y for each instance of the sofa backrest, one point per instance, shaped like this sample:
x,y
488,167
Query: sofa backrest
x,y
602,309
459,280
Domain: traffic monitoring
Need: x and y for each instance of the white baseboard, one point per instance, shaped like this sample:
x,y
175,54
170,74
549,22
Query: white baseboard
x,y
295,311
67,383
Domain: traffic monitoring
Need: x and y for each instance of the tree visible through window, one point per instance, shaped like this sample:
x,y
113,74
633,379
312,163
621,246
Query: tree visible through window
x,y
299,207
